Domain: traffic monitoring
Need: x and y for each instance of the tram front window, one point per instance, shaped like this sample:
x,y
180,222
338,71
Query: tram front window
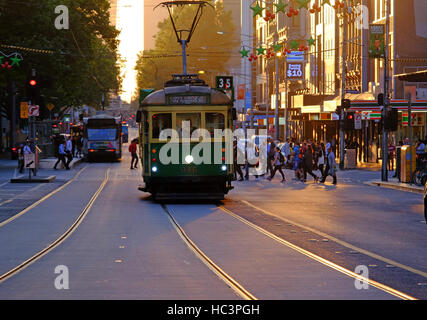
x,y
214,121
189,120
160,122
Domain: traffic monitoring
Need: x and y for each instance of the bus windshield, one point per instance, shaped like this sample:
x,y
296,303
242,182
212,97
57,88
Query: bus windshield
x,y
102,134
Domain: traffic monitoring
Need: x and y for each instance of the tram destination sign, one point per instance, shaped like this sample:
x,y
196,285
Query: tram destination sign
x,y
184,100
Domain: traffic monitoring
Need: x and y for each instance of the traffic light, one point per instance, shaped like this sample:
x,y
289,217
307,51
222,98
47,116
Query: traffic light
x,y
346,104
33,90
349,121
381,99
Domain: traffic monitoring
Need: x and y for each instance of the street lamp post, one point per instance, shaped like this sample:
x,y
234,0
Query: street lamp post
x,y
384,172
343,84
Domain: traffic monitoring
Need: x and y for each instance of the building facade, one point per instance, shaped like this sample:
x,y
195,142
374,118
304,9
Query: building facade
x,y
339,44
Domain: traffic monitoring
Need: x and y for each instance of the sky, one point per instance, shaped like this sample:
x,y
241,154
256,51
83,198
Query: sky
x,y
130,21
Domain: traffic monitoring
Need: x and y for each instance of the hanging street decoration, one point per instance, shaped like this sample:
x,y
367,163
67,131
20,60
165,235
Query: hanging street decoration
x,y
269,16
338,5
277,47
280,7
244,52
257,10
260,50
15,61
303,4
292,12
311,42
315,8
8,61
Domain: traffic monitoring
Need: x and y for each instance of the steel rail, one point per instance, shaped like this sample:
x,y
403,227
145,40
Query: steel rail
x,y
237,287
61,239
35,204
319,259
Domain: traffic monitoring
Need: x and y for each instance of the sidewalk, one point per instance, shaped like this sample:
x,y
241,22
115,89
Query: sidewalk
x,y
393,183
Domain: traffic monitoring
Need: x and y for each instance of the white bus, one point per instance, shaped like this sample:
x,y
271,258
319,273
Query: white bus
x,y
103,134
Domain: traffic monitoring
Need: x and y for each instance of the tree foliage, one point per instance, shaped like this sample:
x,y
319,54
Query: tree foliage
x,y
84,62
208,50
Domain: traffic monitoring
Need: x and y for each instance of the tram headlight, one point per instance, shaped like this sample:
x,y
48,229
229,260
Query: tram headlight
x,y
224,168
154,169
189,159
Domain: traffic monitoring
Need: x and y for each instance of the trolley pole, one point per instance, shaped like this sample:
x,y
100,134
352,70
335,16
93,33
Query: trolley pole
x,y
184,56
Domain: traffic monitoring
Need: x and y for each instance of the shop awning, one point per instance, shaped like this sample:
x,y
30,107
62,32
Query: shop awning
x,y
420,76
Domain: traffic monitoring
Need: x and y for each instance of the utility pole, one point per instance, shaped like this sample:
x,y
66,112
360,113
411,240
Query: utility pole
x,y
267,96
343,75
384,172
276,111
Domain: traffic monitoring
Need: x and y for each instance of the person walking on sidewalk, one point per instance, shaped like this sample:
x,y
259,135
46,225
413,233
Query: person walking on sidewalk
x,y
321,159
308,163
278,161
62,156
132,150
29,150
330,167
69,151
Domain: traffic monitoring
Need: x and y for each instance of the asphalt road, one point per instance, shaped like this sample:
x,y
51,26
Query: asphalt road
x,y
125,246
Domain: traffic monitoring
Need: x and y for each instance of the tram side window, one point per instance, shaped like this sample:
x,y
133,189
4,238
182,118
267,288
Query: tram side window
x,y
193,120
214,121
160,122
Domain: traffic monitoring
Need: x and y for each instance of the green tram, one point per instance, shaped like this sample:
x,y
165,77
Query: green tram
x,y
170,170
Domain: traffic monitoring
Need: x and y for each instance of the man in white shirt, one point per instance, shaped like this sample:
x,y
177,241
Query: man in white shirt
x,y
69,151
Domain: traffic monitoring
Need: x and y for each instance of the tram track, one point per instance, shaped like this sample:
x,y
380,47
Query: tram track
x,y
229,280
245,293
35,204
64,236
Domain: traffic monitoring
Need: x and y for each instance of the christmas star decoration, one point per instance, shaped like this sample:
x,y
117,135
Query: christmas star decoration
x,y
277,47
260,50
244,52
280,7
311,42
294,44
257,10
15,61
303,4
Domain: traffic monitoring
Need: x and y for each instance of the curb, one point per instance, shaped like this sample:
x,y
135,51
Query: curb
x,y
33,179
401,187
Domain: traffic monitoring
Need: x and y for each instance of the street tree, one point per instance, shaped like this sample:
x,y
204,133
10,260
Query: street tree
x,y
209,50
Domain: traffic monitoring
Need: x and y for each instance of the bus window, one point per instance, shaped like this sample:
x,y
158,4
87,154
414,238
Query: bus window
x,y
214,121
193,120
160,122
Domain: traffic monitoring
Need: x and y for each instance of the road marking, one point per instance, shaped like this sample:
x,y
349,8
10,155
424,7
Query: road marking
x,y
317,258
237,287
35,204
343,243
61,239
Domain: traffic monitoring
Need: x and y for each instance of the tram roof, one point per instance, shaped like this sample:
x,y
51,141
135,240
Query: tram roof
x,y
186,86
